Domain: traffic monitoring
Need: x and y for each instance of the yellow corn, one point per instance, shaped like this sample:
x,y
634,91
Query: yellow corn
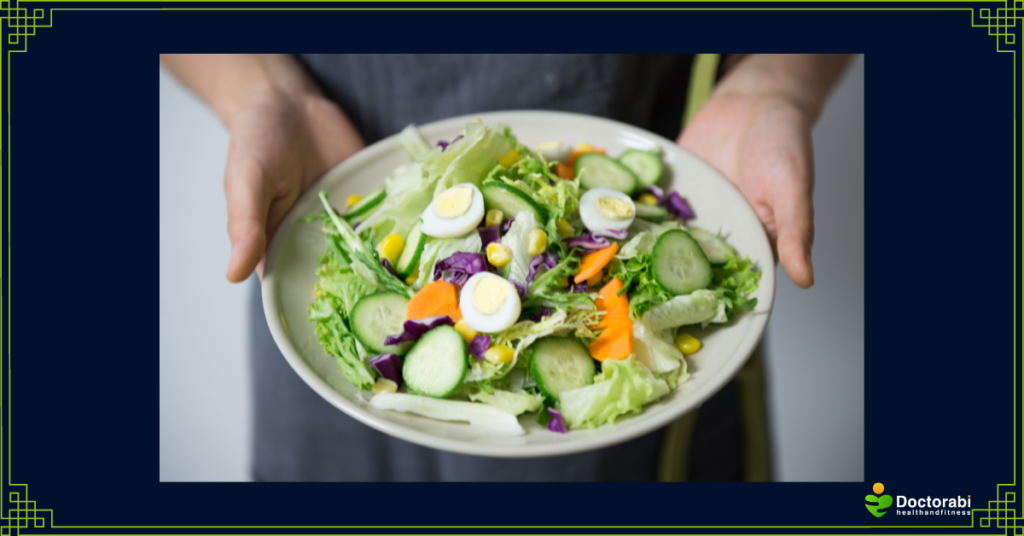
x,y
391,247
538,242
563,281
564,229
353,199
687,344
467,332
494,217
596,280
318,292
413,276
499,354
498,254
384,385
510,158
648,199
583,147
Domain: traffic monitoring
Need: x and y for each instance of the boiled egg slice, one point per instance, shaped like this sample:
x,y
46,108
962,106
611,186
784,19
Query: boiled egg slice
x,y
603,208
489,303
554,151
457,211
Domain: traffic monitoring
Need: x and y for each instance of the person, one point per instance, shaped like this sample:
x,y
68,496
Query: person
x,y
291,119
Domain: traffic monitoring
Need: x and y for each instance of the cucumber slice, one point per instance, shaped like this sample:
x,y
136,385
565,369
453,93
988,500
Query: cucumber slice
x,y
644,164
679,264
378,316
714,247
651,213
415,241
365,206
561,364
604,172
510,200
437,364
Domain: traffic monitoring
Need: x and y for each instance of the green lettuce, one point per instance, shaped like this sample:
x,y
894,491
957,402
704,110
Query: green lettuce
x,y
638,280
518,241
733,282
471,158
438,249
409,192
344,284
545,291
516,403
337,340
657,352
413,142
622,387
694,308
488,418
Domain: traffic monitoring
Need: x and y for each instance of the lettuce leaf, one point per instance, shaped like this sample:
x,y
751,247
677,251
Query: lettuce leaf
x,y
733,282
413,142
338,341
409,191
622,387
344,284
438,249
469,159
518,240
638,280
545,291
489,418
516,403
656,351
693,308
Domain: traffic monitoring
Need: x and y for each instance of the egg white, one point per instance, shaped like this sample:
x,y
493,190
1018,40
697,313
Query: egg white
x,y
593,220
438,227
502,319
555,151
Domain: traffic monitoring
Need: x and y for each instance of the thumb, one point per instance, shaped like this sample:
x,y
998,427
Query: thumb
x,y
794,215
248,202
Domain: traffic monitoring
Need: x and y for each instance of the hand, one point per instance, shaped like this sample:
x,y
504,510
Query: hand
x,y
763,146
280,145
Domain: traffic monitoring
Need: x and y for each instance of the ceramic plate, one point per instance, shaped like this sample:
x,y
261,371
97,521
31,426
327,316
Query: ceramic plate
x,y
291,264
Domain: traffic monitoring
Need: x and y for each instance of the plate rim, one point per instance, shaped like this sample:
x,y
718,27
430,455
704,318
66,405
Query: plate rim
x,y
271,299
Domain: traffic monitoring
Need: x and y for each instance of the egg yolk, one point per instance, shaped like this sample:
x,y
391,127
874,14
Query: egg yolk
x,y
490,295
454,202
614,208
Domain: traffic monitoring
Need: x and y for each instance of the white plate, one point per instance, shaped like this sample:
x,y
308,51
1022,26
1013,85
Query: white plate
x,y
289,279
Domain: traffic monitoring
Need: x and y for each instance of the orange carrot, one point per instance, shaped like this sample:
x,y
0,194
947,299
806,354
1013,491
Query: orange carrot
x,y
592,263
615,343
435,299
615,307
596,280
565,172
577,152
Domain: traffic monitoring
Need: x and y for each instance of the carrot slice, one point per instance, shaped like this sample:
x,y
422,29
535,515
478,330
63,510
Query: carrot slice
x,y
615,343
616,307
435,299
592,263
564,172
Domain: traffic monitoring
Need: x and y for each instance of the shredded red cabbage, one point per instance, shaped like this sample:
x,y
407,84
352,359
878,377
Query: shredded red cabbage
x,y
618,234
387,266
557,423
388,366
548,259
588,242
505,225
537,317
489,234
414,329
678,206
444,144
657,192
580,287
520,288
460,267
478,346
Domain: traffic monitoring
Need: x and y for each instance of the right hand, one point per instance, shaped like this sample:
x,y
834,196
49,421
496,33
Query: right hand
x,y
280,145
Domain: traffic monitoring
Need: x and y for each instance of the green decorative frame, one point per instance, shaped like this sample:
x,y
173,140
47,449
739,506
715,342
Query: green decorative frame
x,y
18,512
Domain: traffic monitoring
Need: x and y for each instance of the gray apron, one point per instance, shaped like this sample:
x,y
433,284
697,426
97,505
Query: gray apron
x,y
300,437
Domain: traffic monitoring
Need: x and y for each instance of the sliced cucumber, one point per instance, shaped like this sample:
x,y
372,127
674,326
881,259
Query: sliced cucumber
x,y
644,164
415,241
437,363
561,364
651,213
378,316
365,206
604,172
510,200
714,247
679,264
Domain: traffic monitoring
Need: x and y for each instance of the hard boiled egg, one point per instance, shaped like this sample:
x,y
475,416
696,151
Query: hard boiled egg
x,y
602,208
555,151
489,303
457,211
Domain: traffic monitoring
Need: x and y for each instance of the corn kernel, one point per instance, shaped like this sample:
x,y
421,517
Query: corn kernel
x,y
648,199
318,292
510,158
498,254
391,247
687,344
584,147
384,385
499,354
593,282
413,276
353,199
494,217
563,281
467,332
538,242
564,229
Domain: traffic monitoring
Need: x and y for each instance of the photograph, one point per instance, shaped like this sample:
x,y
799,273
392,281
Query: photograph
x,y
511,268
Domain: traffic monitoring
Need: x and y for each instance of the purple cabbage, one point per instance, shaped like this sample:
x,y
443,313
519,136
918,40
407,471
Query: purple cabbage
x,y
387,266
506,225
388,366
618,234
548,259
444,144
478,346
557,423
489,234
580,287
520,288
460,266
588,242
414,329
657,192
537,317
678,206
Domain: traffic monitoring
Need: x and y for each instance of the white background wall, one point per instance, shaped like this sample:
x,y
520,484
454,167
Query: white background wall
x,y
814,342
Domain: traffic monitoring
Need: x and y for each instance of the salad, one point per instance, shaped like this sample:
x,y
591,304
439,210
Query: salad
x,y
487,280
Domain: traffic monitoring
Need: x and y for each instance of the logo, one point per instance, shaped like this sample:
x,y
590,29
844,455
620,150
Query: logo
x,y
876,504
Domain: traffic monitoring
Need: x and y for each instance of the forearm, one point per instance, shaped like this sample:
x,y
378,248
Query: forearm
x,y
802,79
227,82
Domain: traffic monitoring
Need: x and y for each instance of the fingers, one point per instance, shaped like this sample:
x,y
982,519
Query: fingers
x,y
248,202
794,217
